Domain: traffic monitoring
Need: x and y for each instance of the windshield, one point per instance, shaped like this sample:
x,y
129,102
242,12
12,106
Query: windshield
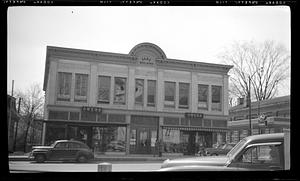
x,y
236,148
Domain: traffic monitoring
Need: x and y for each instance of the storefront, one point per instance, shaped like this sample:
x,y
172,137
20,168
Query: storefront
x,y
188,141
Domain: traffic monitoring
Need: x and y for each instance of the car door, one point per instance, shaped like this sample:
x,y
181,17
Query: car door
x,y
59,152
261,157
73,149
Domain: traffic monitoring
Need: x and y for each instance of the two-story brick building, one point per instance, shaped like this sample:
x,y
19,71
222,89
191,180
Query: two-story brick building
x,y
267,116
122,103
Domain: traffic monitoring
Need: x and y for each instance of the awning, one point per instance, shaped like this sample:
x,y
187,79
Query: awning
x,y
195,129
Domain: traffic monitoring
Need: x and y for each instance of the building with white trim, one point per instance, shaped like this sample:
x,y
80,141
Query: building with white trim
x,y
122,103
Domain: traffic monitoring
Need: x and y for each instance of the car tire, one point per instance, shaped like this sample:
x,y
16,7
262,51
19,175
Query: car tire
x,y
81,159
40,158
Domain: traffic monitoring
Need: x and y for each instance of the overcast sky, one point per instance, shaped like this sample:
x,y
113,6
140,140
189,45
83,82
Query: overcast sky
x,y
196,33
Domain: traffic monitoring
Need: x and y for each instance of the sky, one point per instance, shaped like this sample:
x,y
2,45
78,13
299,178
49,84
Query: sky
x,y
195,33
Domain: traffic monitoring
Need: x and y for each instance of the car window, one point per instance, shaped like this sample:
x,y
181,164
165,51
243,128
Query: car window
x,y
61,145
74,145
262,154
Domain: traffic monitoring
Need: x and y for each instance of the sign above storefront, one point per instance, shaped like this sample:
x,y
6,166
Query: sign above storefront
x,y
91,109
193,115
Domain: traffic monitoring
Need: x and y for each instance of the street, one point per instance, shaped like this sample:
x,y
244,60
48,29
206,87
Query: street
x,y
20,166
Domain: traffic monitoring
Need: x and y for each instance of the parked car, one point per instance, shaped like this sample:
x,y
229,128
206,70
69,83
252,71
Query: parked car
x,y
116,146
62,150
258,152
220,150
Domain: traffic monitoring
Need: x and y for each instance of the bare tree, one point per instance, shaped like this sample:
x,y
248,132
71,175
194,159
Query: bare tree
x,y
265,64
31,107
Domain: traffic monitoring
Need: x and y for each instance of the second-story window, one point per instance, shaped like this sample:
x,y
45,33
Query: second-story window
x,y
184,89
64,86
216,104
151,93
202,96
170,94
81,86
103,89
120,90
139,91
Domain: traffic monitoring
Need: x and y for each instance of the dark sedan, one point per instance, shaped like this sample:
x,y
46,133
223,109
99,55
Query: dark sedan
x,y
62,150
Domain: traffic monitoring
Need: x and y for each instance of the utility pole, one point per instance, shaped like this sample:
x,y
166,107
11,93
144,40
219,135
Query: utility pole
x,y
249,96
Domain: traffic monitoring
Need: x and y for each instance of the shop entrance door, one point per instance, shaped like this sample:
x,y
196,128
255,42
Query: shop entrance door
x,y
145,141
143,134
188,140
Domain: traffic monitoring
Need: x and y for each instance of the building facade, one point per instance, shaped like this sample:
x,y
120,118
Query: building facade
x,y
267,116
124,103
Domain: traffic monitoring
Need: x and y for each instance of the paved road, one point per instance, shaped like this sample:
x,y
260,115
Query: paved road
x,y
20,166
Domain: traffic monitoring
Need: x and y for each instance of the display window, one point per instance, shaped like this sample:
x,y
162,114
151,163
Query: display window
x,y
109,139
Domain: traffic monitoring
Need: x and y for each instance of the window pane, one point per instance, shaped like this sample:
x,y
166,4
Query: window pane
x,y
170,94
202,96
139,90
58,115
74,115
216,98
104,89
184,95
64,86
151,92
120,90
81,83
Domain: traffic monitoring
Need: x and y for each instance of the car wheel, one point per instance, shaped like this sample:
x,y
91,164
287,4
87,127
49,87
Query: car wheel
x,y
40,158
81,159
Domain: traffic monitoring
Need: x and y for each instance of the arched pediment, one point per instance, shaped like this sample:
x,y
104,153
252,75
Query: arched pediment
x,y
147,53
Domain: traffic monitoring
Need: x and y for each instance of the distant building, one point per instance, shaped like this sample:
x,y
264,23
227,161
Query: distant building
x,y
122,103
267,116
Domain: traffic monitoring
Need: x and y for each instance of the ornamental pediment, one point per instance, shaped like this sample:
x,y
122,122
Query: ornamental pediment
x,y
147,53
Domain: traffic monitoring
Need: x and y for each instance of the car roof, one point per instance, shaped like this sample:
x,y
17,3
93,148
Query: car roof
x,y
265,137
69,141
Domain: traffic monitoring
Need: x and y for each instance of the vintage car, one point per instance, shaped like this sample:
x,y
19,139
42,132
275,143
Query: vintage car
x,y
220,150
62,150
258,152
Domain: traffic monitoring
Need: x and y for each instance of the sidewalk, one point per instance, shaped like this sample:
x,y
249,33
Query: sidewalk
x,y
108,158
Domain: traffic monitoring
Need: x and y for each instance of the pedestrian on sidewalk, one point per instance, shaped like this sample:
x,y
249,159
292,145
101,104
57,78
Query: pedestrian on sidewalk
x,y
156,148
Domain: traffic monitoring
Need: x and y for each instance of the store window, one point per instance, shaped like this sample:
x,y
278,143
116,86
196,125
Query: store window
x,y
54,132
120,90
64,86
171,121
81,86
109,139
74,115
151,93
216,98
170,94
103,89
60,115
114,118
202,96
88,116
139,92
184,89
171,141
